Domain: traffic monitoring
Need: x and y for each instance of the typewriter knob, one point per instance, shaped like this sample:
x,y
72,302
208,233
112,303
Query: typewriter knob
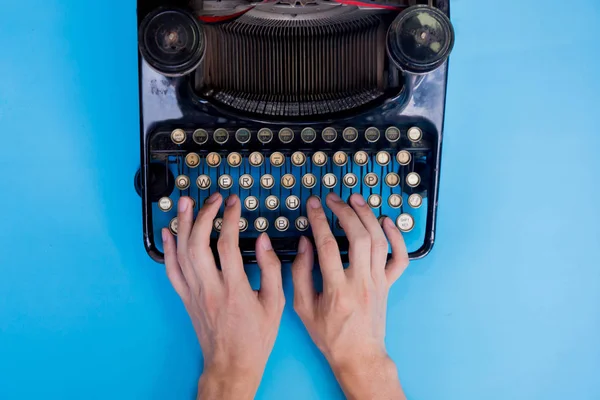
x,y
420,39
160,181
171,41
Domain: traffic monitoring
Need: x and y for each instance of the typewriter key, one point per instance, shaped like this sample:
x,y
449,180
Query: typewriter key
x,y
200,136
221,136
225,182
178,136
319,159
415,134
267,181
403,157
234,159
261,224
182,182
272,202
251,203
218,224
329,181
350,134
265,135
213,159
329,135
405,222
361,158
242,135
256,159
415,200
392,179
301,223
374,201
395,201
340,158
286,135
372,135
165,204
413,179
371,179
246,181
392,134
309,181
173,226
282,224
381,219
298,158
243,224
288,181
277,159
292,202
193,202
383,158
350,180
203,182
308,135
192,160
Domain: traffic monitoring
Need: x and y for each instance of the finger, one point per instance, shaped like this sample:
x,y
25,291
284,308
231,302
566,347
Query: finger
x,y
327,248
399,261
199,241
232,264
359,252
172,266
271,286
185,221
304,287
379,243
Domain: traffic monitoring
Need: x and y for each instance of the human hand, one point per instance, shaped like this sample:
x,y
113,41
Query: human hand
x,y
236,326
347,321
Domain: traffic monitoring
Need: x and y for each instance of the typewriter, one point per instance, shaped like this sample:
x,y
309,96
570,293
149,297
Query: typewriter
x,y
279,100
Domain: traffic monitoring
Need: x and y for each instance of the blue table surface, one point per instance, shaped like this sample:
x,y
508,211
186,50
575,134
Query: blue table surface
x,y
506,307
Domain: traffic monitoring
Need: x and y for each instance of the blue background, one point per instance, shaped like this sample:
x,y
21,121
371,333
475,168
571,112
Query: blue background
x,y
506,307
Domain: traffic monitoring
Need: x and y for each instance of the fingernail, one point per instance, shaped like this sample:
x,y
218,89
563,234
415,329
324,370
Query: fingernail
x,y
165,234
313,202
266,242
213,197
231,200
389,223
302,245
334,197
359,200
183,204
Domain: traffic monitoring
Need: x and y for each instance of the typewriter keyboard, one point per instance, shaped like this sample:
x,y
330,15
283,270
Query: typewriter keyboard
x,y
274,170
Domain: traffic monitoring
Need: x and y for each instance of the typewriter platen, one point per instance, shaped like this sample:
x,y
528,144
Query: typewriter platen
x,y
276,101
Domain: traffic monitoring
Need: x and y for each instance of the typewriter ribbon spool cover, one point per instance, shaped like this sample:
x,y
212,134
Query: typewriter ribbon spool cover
x,y
278,101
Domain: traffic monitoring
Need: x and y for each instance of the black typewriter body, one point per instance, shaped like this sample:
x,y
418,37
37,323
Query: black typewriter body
x,y
321,101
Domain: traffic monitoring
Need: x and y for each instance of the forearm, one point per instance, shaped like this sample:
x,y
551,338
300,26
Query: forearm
x,y
215,385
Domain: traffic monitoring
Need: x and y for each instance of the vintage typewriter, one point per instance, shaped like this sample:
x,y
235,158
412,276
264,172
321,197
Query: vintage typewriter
x,y
279,100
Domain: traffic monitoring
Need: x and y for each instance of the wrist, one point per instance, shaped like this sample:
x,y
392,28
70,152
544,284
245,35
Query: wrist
x,y
228,383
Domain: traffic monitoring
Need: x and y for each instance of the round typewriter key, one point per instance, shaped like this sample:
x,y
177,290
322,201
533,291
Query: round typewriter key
x,y
246,181
225,181
173,226
381,219
221,136
243,224
395,201
261,224
218,224
265,135
301,223
415,134
340,158
251,203
415,200
288,181
413,179
178,136
200,136
234,159
282,224
371,179
361,158
256,159
286,135
277,159
350,180
308,135
203,182
165,204
267,181
292,202
319,159
392,179
192,160
309,181
272,202
213,159
405,222
383,158
329,181
392,134
298,159
329,135
403,157
193,202
350,134
243,135
374,201
182,182
372,134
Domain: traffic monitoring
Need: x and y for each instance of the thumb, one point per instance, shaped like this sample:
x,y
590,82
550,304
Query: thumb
x,y
271,287
304,288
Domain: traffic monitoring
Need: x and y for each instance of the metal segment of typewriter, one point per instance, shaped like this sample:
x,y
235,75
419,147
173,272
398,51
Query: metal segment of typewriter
x,y
278,101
